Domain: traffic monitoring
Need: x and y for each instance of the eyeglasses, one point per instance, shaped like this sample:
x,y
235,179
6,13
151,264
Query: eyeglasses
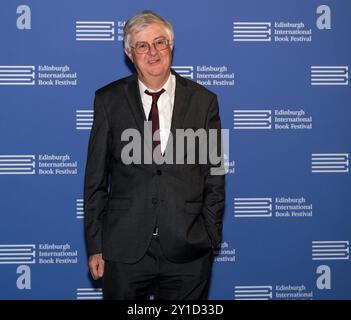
x,y
144,47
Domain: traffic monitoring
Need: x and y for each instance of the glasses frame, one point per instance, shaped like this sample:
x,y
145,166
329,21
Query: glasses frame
x,y
168,43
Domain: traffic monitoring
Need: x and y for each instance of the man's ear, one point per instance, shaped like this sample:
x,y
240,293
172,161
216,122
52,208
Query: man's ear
x,y
129,54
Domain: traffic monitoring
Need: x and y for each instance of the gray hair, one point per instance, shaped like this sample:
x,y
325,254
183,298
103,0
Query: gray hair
x,y
142,20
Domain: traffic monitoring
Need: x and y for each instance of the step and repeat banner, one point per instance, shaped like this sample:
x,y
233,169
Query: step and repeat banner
x,y
281,73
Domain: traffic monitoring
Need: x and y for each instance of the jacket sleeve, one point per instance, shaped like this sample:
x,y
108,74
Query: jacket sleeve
x,y
214,195
96,178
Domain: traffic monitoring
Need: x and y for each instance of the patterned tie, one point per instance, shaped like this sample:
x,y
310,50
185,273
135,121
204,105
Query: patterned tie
x,y
153,116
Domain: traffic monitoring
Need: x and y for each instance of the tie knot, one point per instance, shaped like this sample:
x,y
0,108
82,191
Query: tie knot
x,y
155,95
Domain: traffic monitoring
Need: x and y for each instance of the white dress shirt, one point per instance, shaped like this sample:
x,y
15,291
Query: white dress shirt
x,y
164,105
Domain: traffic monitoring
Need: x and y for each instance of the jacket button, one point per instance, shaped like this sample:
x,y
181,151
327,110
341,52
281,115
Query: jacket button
x,y
154,200
159,172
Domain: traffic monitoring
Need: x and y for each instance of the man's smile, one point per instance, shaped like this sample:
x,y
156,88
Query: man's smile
x,y
154,61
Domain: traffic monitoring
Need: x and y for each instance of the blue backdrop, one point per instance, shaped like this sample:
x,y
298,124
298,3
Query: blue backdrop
x,y
280,70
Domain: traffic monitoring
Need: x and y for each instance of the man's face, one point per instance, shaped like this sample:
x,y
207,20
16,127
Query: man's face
x,y
153,63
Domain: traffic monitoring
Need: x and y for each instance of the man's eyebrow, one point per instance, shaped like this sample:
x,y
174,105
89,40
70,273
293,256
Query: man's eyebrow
x,y
157,38
160,37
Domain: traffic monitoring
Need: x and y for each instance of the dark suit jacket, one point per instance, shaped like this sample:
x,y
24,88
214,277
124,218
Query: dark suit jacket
x,y
122,202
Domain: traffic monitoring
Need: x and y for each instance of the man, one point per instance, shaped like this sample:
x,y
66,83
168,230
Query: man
x,y
151,224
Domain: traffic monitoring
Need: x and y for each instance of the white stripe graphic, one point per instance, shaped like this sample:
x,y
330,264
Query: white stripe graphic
x,y
80,209
89,294
252,119
95,30
17,164
252,207
185,71
17,253
84,119
17,75
330,162
251,31
330,250
329,75
253,292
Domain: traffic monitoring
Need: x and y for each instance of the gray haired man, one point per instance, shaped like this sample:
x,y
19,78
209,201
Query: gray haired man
x,y
151,225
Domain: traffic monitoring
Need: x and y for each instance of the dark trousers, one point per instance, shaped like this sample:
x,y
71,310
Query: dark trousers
x,y
155,275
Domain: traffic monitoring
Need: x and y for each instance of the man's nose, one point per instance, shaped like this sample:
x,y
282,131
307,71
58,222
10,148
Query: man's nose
x,y
152,50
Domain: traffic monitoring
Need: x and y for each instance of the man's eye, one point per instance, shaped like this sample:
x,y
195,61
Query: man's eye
x,y
142,45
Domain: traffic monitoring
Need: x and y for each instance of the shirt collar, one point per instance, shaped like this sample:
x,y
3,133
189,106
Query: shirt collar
x,y
168,86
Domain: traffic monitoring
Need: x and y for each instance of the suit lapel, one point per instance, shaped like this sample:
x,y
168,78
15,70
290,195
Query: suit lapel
x,y
134,99
179,108
180,103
